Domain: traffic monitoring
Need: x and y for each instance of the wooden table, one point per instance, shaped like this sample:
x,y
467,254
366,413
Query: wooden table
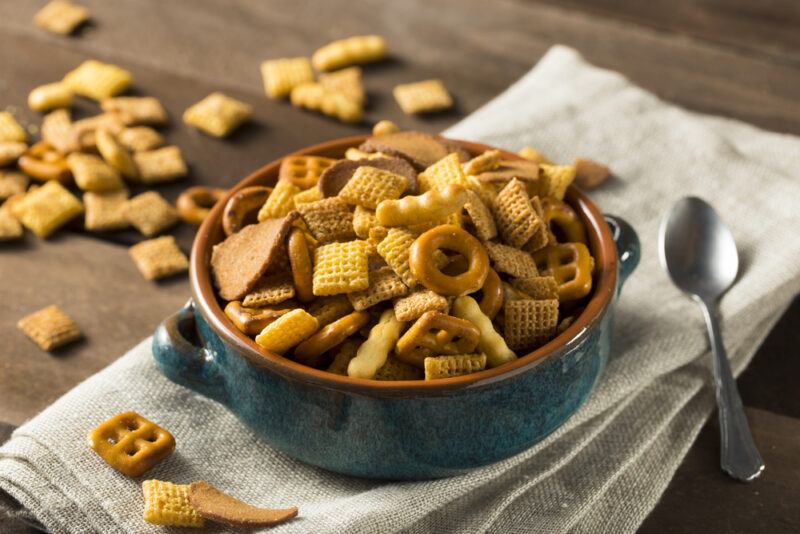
x,y
731,58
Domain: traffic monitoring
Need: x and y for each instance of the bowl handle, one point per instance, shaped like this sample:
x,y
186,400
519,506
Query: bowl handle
x,y
628,247
182,356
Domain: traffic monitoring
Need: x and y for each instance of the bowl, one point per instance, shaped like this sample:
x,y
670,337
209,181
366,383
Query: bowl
x,y
395,430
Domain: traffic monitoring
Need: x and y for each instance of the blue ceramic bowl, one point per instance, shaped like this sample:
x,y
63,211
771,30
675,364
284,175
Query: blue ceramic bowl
x,y
395,430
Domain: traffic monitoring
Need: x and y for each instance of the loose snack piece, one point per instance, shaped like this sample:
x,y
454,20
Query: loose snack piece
x,y
50,96
537,287
150,213
328,309
384,127
161,165
252,321
84,132
57,131
10,227
418,302
61,17
137,110
490,343
243,206
282,75
12,183
511,260
195,203
571,264
340,268
444,172
303,171
436,334
558,178
315,97
115,154
215,505
531,154
93,174
384,284
168,504
354,50
330,337
140,139
347,82
98,80
529,323
46,209
10,129
458,240
130,443
435,205
589,173
363,220
10,151
287,331
516,218
337,175
394,249
422,97
158,258
50,328
105,211
217,114
300,261
328,220
280,201
372,354
272,289
455,365
370,185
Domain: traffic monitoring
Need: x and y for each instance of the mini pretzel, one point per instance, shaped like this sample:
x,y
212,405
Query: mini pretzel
x,y
44,162
242,204
251,321
436,334
492,300
559,215
434,205
195,203
130,443
302,270
571,265
330,336
453,238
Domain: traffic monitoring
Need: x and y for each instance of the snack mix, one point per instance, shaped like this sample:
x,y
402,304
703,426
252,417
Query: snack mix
x,y
409,259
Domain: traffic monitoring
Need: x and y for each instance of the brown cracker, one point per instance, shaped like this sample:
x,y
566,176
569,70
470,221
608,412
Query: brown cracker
x,y
369,186
530,323
91,173
105,211
57,129
590,173
420,149
384,284
511,260
217,114
50,328
328,220
150,213
217,506
394,248
47,208
418,302
334,178
159,257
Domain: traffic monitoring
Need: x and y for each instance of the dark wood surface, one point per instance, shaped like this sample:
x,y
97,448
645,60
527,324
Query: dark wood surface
x,y
730,57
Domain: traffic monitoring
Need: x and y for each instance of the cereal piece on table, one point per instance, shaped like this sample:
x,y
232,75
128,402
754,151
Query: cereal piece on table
x,y
161,165
12,183
10,151
328,309
340,268
158,258
10,129
394,248
130,443
590,173
458,364
168,504
486,162
140,139
280,201
105,211
530,323
436,334
50,328
558,178
313,96
385,127
481,217
355,50
434,206
418,302
217,506
91,173
491,343
50,96
328,220
287,331
370,185
373,353
344,353
307,196
444,172
149,213
47,208
98,80
347,82
510,260
303,171
516,218
57,131
84,131
384,284
531,154
61,17
115,154
269,290
395,369
217,114
282,75
10,227
137,110
363,220
537,287
422,97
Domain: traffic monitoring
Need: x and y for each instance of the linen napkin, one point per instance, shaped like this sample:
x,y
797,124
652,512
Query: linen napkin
x,y
602,471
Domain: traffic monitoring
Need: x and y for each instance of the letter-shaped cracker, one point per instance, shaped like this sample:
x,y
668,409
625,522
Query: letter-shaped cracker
x,y
491,343
373,352
434,205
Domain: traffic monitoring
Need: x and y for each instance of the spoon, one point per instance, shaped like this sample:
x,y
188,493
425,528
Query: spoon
x,y
699,254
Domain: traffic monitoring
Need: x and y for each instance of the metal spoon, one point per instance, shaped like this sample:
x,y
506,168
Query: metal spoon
x,y
699,254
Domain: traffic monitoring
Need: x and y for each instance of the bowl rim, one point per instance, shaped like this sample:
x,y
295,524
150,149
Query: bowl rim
x,y
205,299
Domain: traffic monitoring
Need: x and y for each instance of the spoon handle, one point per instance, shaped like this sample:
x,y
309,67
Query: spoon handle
x,y
739,456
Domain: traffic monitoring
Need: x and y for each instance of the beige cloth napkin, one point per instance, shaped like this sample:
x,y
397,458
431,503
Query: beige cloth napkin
x,y
604,470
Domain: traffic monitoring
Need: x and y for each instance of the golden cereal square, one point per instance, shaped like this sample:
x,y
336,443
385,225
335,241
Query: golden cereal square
x,y
12,183
105,211
510,260
217,114
363,220
558,178
150,213
270,290
161,165
168,504
340,268
287,331
47,208
10,151
136,110
91,173
394,249
97,80
422,97
313,96
444,172
355,50
140,139
61,17
279,202
50,328
159,258
282,75
369,186
346,81
459,364
10,129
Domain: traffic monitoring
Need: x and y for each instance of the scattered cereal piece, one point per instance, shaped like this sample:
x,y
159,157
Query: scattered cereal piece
x,y
10,227
394,248
282,75
161,165
370,185
558,178
280,202
455,365
270,290
105,211
168,504
354,50
384,284
84,131
12,183
130,443
10,151
328,309
215,505
57,131
422,97
340,268
537,287
217,114
10,129
137,110
313,96
421,300
140,139
516,218
385,127
395,369
303,171
159,258
444,172
98,80
531,154
115,154
529,323
511,260
347,82
47,208
328,219
287,331
61,17
91,173
149,213
50,328
50,96
589,173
